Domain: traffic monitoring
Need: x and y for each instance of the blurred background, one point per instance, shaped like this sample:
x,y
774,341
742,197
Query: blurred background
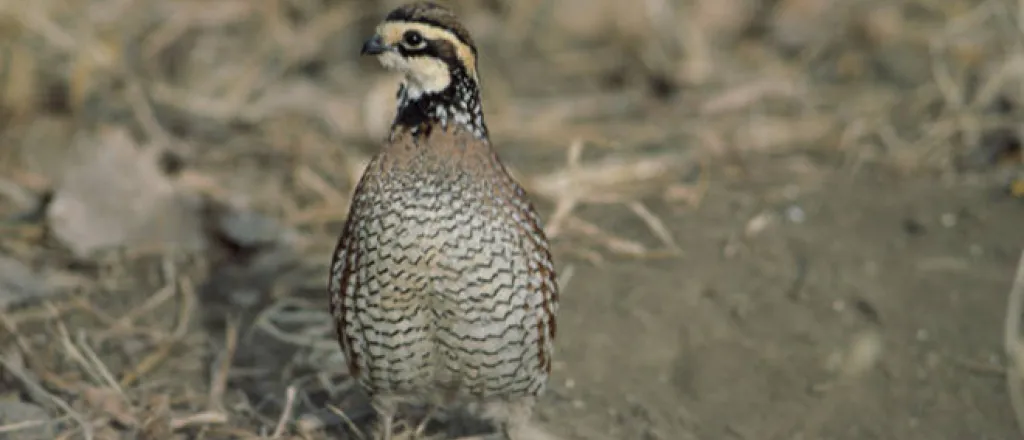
x,y
773,219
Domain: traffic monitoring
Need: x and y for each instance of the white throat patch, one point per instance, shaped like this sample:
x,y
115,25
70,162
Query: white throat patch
x,y
423,74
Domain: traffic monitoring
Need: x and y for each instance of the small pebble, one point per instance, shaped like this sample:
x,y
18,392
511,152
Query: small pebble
x,y
245,297
249,229
863,354
795,214
839,305
921,335
948,220
932,359
309,423
758,224
19,284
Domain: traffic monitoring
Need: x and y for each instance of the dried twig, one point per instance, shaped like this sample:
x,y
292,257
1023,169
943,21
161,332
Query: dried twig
x,y
219,382
286,415
127,320
36,389
21,426
98,367
203,418
1012,345
348,421
655,224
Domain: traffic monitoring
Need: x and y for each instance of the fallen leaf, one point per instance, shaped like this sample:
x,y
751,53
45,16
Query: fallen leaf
x,y
117,196
20,284
26,421
111,403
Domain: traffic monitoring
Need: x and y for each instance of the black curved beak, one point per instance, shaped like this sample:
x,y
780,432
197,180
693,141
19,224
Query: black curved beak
x,y
374,46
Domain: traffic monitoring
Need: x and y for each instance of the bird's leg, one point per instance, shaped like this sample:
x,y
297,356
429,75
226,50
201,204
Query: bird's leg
x,y
527,430
513,421
422,427
386,408
516,422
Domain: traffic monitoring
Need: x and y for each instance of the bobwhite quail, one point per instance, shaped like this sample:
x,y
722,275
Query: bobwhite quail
x,y
442,284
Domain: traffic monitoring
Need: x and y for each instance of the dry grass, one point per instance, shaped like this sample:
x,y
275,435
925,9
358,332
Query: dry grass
x,y
1013,346
269,108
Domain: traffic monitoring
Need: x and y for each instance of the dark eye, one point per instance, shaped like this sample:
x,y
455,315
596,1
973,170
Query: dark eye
x,y
412,38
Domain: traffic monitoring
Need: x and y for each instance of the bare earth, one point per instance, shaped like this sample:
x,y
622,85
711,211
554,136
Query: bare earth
x,y
809,301
749,338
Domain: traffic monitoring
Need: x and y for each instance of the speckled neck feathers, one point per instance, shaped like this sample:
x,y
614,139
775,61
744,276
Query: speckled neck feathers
x,y
457,106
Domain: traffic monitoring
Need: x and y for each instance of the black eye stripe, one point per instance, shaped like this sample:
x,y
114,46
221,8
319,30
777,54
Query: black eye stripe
x,y
441,48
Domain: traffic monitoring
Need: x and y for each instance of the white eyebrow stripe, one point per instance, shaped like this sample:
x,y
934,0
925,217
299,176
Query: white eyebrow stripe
x,y
393,31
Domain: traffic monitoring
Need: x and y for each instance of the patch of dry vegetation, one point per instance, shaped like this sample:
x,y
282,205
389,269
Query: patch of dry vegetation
x,y
151,148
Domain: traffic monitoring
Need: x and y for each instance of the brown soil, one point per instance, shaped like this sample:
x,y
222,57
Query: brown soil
x,y
753,338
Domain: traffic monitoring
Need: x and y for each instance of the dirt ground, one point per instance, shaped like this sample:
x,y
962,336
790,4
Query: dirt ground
x,y
773,220
753,337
